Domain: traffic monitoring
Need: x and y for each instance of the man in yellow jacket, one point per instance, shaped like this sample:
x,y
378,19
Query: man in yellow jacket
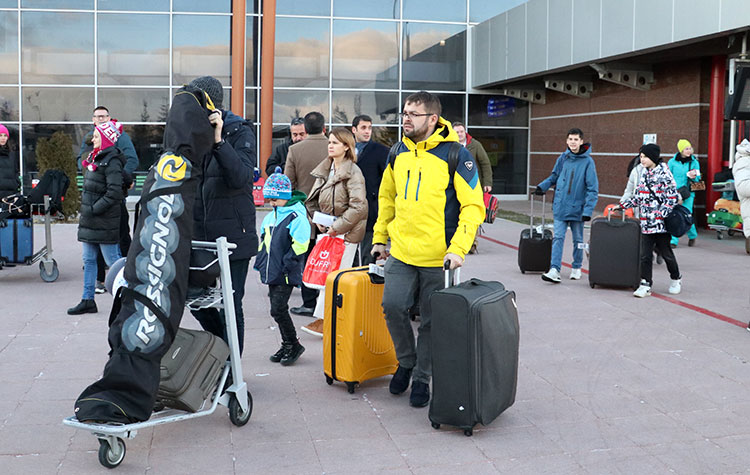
x,y
431,218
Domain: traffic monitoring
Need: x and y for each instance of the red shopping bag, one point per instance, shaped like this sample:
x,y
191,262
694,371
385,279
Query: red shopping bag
x,y
324,259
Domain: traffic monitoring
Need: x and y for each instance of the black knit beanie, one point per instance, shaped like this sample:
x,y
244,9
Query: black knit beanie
x,y
211,86
652,151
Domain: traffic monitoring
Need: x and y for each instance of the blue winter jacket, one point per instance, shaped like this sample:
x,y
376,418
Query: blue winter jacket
x,y
285,234
576,185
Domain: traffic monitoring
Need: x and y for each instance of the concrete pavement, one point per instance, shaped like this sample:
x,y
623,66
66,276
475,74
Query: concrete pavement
x,y
607,383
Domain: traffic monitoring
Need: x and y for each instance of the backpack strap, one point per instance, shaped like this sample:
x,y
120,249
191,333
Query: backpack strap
x,y
393,152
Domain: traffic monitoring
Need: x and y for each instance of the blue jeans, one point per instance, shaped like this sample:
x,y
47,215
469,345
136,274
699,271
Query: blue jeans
x,y
692,232
558,241
110,252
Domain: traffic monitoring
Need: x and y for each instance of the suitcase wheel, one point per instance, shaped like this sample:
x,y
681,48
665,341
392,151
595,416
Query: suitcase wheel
x,y
435,425
523,271
109,456
468,432
236,415
592,285
350,387
329,380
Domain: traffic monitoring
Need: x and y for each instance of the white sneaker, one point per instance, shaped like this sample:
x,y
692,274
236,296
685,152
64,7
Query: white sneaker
x,y
575,274
552,275
643,291
675,287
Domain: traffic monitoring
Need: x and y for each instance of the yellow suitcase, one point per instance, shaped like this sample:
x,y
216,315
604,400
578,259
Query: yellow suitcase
x,y
356,343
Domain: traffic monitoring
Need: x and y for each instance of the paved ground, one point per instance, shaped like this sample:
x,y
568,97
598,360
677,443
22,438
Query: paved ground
x,y
608,383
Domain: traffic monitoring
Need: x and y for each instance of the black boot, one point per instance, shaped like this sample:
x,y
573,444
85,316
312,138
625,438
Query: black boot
x,y
276,357
294,350
84,306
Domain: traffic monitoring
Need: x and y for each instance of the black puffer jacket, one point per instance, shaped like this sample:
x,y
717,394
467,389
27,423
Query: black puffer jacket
x,y
8,172
100,202
224,202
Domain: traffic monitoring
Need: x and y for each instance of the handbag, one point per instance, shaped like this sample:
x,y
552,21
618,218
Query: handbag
x,y
684,192
697,185
490,205
324,258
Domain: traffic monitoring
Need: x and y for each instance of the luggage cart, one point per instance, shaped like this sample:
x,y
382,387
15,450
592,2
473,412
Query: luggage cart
x,y
236,397
722,219
48,270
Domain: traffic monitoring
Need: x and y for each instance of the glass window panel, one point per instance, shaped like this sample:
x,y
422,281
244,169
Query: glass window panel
x,y
133,49
49,104
147,140
135,5
497,110
251,100
303,7
69,4
216,6
136,105
290,104
485,9
435,10
434,57
252,41
8,103
301,52
8,3
32,134
386,135
201,54
508,153
9,47
380,9
57,48
381,106
365,54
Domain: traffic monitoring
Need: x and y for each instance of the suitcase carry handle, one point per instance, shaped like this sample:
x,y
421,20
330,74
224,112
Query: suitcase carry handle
x,y
452,276
531,214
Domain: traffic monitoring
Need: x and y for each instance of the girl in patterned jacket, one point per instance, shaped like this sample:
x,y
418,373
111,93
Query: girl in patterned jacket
x,y
655,196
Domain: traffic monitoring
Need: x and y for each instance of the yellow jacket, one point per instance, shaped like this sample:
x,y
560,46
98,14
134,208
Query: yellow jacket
x,y
424,216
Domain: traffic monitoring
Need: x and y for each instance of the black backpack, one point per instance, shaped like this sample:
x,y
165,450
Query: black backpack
x,y
453,152
53,183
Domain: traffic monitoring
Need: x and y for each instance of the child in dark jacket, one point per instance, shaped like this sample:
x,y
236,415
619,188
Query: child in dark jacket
x,y
285,234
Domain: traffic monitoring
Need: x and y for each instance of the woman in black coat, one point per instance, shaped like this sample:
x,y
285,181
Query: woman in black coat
x,y
99,224
8,166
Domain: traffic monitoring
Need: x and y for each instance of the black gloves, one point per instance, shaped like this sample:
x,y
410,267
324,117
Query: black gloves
x,y
539,191
586,218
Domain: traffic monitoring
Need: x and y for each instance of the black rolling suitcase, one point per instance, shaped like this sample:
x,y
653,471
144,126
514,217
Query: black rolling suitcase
x,y
535,248
474,353
614,252
191,369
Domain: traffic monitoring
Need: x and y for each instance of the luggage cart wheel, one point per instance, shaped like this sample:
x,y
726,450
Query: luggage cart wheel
x,y
468,432
730,232
329,380
109,456
435,425
350,387
236,415
51,276
719,235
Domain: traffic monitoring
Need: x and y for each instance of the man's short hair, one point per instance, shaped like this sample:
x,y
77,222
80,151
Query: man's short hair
x,y
458,124
101,108
361,118
575,131
314,123
297,121
431,102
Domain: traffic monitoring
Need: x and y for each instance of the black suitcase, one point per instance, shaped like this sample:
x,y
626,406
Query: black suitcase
x,y
474,353
191,369
535,248
614,252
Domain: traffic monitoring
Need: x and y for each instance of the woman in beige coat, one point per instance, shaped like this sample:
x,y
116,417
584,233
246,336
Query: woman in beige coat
x,y
339,191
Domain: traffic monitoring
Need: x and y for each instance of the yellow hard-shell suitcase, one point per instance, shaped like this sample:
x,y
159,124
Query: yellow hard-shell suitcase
x,y
356,343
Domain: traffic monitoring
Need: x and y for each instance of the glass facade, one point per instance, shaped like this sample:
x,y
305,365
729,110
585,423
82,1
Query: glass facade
x,y
61,58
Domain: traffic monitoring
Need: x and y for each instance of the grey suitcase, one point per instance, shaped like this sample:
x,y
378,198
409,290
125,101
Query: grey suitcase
x,y
191,369
475,338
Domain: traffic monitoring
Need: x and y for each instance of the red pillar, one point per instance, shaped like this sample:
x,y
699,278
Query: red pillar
x,y
715,126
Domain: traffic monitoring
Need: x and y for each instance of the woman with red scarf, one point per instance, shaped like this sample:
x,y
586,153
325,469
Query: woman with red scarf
x,y
99,224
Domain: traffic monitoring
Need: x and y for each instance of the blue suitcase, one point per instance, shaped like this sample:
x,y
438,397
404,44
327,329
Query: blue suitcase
x,y
16,241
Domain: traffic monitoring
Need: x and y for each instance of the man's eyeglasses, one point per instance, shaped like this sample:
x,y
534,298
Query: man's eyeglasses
x,y
100,116
412,115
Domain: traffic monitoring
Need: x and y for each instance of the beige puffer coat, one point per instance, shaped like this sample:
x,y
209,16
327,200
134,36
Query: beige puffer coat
x,y
343,196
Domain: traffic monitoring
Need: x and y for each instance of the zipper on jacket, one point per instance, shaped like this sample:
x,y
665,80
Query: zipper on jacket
x,y
419,181
406,188
570,185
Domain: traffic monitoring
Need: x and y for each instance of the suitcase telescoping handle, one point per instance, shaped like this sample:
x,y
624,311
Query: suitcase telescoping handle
x,y
452,276
531,214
